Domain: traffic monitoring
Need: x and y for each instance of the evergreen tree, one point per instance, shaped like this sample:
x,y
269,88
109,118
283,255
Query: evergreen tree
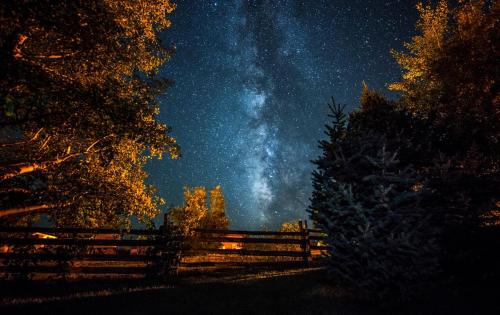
x,y
409,191
381,240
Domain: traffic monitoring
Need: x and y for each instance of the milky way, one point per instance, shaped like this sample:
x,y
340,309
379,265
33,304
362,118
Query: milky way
x,y
252,80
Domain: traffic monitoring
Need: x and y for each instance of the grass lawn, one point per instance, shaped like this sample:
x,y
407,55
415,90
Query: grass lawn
x,y
292,292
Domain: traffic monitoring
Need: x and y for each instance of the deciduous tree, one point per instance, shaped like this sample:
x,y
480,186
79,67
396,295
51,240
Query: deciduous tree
x,y
78,108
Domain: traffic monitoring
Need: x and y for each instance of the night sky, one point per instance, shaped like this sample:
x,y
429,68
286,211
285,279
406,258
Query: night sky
x,y
252,82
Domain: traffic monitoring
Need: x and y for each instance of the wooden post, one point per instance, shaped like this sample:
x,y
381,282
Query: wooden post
x,y
307,243
162,265
303,245
165,219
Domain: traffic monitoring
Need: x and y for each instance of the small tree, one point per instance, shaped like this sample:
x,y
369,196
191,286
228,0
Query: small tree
x,y
216,217
195,214
190,215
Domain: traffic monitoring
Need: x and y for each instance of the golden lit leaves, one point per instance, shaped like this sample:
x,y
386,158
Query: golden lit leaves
x,y
217,203
454,53
81,87
108,194
423,50
195,212
111,39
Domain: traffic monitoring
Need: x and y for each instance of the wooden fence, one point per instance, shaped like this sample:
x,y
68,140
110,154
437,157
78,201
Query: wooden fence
x,y
41,250
70,251
273,249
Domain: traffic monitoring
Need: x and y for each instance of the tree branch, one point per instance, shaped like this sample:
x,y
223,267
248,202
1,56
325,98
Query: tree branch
x,y
24,168
35,136
19,210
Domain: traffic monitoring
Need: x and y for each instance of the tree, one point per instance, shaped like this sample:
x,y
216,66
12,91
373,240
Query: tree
x,y
191,214
195,214
216,218
368,203
418,83
78,108
451,80
451,75
408,191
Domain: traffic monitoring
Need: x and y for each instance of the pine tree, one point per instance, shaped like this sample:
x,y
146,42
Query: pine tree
x,y
368,202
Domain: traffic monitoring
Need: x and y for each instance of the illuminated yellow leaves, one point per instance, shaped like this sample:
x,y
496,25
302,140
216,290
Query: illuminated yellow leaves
x,y
217,203
84,83
448,54
423,49
195,212
114,191
95,52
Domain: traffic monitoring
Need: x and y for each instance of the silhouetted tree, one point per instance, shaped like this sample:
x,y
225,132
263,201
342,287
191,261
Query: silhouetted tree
x,y
368,203
451,79
416,183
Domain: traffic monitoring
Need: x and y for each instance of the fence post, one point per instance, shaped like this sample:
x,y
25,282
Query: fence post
x,y
164,263
307,243
304,244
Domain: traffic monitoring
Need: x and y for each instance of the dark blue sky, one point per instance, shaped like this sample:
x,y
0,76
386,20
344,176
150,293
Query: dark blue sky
x,y
252,80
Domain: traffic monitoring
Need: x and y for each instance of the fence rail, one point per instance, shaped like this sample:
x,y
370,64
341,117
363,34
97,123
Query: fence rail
x,y
71,250
84,257
251,240
86,270
240,232
266,264
51,230
78,242
246,252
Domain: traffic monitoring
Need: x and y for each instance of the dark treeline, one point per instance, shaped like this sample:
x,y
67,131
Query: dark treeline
x,y
409,190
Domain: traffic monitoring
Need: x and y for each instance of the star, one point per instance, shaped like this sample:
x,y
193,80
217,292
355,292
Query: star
x,y
252,79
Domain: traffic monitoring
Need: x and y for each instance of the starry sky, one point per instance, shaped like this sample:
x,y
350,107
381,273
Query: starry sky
x,y
252,82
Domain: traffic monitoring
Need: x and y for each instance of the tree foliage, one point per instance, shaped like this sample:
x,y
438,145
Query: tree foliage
x,y
369,202
409,191
452,83
78,108
195,213
451,73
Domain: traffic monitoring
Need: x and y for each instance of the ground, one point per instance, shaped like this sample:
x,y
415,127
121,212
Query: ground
x,y
303,291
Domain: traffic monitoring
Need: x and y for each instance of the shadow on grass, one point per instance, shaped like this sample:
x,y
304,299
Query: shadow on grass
x,y
300,292
260,293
